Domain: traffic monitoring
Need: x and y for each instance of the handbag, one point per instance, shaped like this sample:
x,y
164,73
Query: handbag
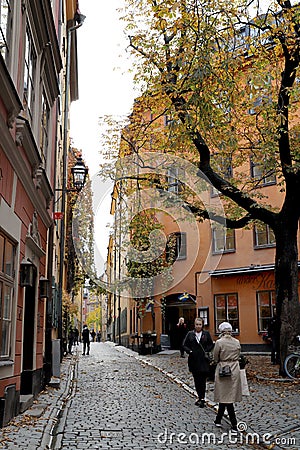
x,y
208,355
225,371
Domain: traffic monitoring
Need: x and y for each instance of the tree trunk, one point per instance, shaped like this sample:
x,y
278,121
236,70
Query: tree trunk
x,y
286,282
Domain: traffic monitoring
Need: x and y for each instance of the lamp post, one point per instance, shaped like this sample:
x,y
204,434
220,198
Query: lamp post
x,y
79,18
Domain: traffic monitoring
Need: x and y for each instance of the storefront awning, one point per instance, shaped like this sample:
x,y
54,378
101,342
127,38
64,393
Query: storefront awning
x,y
241,270
253,268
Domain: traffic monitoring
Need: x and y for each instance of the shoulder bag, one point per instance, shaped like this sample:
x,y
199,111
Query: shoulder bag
x,y
225,371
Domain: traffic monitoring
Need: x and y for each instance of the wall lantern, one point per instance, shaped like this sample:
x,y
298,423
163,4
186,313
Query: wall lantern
x,y
44,287
79,173
26,273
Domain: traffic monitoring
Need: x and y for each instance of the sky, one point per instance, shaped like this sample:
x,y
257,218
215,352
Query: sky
x,y
105,88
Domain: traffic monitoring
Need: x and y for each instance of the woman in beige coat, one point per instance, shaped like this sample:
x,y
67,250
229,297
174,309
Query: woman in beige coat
x,y
228,389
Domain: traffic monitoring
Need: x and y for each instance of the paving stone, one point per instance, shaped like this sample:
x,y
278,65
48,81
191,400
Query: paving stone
x,y
120,400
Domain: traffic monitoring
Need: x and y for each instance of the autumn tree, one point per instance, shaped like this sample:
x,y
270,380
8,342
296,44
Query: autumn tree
x,y
227,76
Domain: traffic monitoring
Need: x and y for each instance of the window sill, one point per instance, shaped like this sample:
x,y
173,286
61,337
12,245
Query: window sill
x,y
259,247
220,252
6,363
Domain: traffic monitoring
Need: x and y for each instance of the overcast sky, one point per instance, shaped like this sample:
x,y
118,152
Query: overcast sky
x,y
105,88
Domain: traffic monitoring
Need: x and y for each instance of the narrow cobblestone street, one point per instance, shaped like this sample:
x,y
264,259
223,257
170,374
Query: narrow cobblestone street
x,y
116,399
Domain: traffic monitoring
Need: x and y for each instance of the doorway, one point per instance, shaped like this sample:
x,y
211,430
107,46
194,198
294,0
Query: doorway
x,y
28,340
174,310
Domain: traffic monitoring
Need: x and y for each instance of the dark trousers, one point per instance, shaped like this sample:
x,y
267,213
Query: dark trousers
x,y
200,383
181,350
275,351
86,346
230,410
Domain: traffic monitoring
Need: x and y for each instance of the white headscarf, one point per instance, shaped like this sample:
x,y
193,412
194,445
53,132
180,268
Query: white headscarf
x,y
225,326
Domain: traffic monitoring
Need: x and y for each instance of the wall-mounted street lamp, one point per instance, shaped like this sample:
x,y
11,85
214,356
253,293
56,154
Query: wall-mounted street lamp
x,y
79,174
26,273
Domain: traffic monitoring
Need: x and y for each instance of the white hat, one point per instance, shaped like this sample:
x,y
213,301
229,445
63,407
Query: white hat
x,y
225,326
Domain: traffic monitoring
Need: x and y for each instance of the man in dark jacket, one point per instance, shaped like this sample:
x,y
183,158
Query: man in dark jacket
x,y
181,330
274,335
86,340
196,343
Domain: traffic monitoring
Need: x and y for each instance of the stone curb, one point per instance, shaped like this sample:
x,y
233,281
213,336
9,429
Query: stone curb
x,y
54,411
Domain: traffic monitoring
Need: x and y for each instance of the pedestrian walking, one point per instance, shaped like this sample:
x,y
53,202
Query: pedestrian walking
x,y
196,344
182,330
274,335
93,334
70,341
76,336
86,340
98,336
228,387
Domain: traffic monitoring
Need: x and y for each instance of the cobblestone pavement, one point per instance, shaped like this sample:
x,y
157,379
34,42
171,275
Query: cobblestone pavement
x,y
116,399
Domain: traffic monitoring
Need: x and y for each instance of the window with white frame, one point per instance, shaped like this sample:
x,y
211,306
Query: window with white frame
x,y
266,304
174,175
264,175
223,240
29,74
7,274
263,236
260,94
44,132
226,309
5,27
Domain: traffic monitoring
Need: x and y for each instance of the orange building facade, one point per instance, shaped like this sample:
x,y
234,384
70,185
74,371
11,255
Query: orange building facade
x,y
218,274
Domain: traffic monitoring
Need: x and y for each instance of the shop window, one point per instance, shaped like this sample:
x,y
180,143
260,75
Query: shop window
x,y
266,304
223,240
263,236
7,273
226,309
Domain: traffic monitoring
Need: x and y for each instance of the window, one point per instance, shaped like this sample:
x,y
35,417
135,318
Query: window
x,y
44,129
5,27
263,236
266,304
260,94
7,274
226,309
223,240
29,74
203,312
174,176
176,247
264,175
222,165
